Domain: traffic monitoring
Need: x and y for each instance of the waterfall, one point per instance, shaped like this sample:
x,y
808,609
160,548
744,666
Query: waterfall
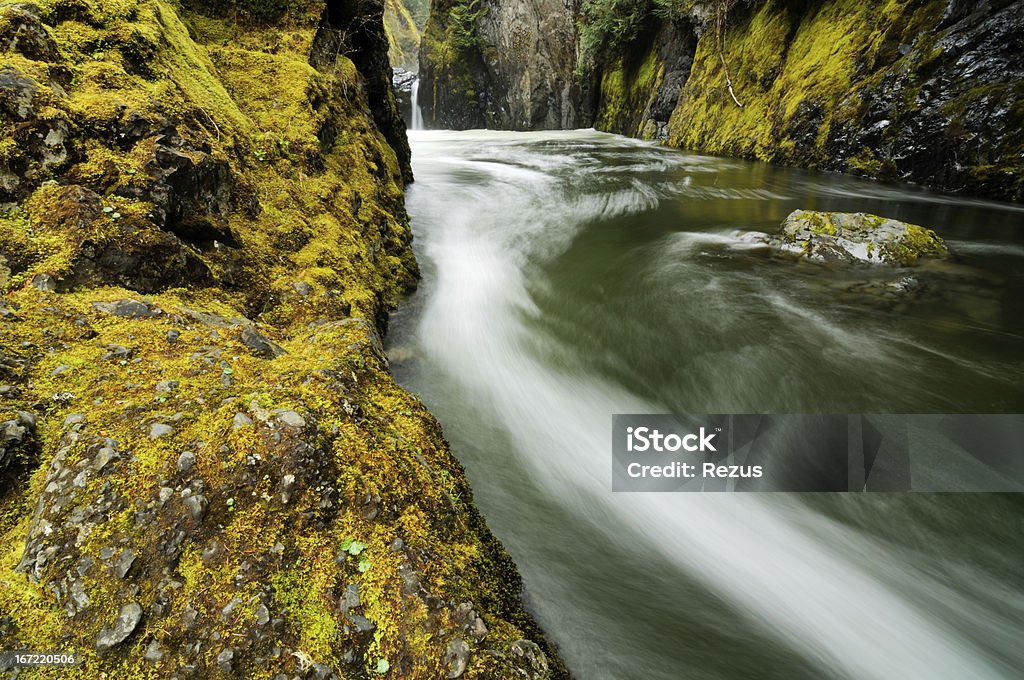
x,y
417,112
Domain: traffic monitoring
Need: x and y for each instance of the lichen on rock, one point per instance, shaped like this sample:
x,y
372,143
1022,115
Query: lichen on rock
x,y
853,237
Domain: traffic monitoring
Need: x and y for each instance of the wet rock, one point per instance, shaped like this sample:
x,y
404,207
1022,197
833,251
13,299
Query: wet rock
x,y
456,657
127,308
531,652
260,344
127,621
853,238
159,430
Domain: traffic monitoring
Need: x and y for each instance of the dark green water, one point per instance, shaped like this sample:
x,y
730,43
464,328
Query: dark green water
x,y
570,276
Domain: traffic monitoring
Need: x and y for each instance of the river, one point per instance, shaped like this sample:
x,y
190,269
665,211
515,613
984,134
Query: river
x,y
572,275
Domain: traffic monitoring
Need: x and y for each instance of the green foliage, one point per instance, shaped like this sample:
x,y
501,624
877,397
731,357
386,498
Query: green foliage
x,y
462,20
610,25
255,11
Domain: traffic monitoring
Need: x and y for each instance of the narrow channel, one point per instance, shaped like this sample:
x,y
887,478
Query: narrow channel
x,y
572,275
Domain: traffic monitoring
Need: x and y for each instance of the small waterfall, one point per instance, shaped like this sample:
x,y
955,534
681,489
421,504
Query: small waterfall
x,y
417,112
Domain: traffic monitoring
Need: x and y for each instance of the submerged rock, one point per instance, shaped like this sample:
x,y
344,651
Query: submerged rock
x,y
853,237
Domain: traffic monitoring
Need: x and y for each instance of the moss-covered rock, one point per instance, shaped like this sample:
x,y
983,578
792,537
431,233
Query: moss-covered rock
x,y
214,472
854,237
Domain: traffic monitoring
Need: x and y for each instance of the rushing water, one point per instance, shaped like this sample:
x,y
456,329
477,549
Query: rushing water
x,y
570,276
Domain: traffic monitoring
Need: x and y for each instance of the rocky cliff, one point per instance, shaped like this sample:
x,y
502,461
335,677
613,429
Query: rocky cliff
x,y
925,91
205,466
914,91
501,64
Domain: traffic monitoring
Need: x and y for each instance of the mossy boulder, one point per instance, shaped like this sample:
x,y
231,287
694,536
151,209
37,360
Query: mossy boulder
x,y
855,237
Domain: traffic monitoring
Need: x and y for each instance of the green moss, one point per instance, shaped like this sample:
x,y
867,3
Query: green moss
x,y
626,93
797,74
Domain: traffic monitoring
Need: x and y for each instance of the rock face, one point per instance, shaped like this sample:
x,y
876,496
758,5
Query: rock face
x,y
854,237
923,91
202,452
501,64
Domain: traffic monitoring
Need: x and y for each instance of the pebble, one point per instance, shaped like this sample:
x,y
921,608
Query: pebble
x,y
154,652
290,419
241,421
457,657
127,621
44,282
158,430
185,462
196,505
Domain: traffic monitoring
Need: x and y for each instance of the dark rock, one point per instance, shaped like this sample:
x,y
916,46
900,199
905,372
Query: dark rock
x,y
22,32
173,335
127,621
260,344
192,196
17,92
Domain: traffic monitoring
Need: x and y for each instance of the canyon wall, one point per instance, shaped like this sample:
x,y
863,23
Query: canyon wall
x,y
206,468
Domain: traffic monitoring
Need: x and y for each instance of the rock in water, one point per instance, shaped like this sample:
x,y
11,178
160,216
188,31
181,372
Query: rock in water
x,y
854,237
126,623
